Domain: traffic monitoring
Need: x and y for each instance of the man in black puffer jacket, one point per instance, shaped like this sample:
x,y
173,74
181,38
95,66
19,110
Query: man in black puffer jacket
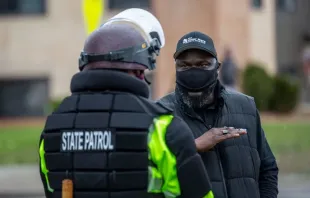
x,y
107,137
240,167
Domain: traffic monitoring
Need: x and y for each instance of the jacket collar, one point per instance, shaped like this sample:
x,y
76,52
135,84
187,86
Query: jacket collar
x,y
108,80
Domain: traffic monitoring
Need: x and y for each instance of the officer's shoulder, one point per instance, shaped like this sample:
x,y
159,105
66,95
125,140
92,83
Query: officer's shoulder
x,y
67,105
167,101
238,98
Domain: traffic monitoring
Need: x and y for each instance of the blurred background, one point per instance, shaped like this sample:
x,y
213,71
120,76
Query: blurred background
x,y
264,47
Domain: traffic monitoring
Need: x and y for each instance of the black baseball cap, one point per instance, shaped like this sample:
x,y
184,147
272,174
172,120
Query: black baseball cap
x,y
195,40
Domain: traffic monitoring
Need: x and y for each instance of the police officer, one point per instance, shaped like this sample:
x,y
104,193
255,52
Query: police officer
x,y
107,137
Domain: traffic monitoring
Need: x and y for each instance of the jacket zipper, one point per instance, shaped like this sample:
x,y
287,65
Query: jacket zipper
x,y
221,169
216,149
218,155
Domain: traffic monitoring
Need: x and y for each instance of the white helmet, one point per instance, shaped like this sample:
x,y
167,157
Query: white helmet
x,y
147,23
144,53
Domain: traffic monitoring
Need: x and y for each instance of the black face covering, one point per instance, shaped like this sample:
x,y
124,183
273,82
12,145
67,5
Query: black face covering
x,y
196,79
196,86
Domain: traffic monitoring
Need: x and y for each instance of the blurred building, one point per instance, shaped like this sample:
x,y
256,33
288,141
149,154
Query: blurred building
x,y
40,41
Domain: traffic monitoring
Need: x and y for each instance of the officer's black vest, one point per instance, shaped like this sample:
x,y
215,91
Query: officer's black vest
x,y
98,138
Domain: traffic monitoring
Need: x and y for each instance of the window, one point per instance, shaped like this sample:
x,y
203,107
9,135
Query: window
x,y
286,5
22,7
23,97
125,4
257,4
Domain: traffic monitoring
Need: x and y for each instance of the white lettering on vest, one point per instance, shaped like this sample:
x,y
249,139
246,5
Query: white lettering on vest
x,y
87,141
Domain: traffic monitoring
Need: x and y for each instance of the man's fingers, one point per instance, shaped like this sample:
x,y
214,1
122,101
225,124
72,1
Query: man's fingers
x,y
227,136
232,133
227,128
228,131
219,131
242,131
238,131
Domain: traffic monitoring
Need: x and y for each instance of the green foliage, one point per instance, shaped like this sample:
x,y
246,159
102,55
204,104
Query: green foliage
x,y
258,84
285,96
272,93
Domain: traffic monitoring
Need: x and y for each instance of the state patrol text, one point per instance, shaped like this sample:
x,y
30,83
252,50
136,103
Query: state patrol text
x,y
87,141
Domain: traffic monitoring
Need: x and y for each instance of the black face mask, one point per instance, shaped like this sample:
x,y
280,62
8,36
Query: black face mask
x,y
196,80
